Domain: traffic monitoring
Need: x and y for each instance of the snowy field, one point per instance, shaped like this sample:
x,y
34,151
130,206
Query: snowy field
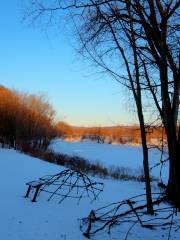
x,y
23,220
112,155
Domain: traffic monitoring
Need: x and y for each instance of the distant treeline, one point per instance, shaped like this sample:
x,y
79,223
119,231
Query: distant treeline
x,y
28,120
115,134
25,119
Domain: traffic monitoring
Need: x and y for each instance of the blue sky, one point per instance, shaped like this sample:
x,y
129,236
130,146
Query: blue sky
x,y
35,61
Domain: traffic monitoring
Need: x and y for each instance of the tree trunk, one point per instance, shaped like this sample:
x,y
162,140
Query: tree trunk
x,y
145,162
173,188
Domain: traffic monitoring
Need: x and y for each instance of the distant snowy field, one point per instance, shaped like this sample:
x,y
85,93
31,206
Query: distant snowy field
x,y
109,154
20,219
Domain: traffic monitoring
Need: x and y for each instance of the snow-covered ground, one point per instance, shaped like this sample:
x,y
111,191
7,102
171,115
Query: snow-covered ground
x,y
20,219
108,155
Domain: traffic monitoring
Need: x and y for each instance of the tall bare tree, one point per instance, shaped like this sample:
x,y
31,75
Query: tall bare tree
x,y
145,35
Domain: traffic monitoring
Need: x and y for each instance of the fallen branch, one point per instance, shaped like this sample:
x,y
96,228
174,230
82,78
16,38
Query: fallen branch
x,y
131,211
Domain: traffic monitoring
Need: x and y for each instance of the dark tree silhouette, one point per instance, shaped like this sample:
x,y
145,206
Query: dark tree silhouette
x,y
145,37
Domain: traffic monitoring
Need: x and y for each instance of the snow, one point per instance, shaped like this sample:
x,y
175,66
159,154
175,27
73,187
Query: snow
x,y
111,155
23,220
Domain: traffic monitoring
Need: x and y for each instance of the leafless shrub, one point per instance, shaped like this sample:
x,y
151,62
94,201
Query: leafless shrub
x,y
84,165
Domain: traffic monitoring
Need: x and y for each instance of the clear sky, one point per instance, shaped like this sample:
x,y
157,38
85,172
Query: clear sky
x,y
35,61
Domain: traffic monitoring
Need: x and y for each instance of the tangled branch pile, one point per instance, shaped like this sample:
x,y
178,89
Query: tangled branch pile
x,y
68,184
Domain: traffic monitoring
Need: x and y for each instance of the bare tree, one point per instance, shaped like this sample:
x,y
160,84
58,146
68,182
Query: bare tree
x,y
151,29
104,35
25,119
